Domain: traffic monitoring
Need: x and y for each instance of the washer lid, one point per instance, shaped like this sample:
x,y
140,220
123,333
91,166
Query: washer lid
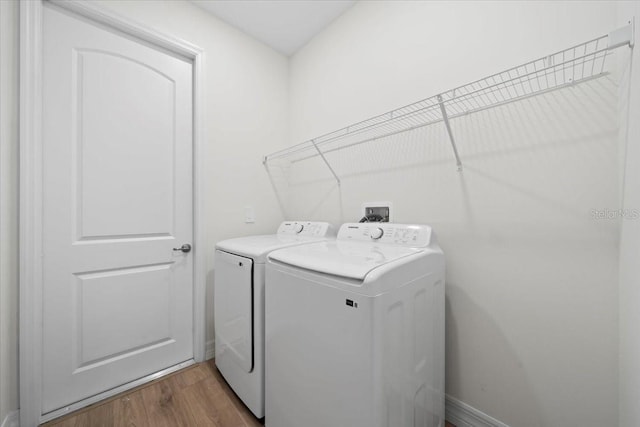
x,y
257,247
353,260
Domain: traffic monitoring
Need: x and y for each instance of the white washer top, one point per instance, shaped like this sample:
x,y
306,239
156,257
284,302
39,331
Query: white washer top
x,y
290,233
359,248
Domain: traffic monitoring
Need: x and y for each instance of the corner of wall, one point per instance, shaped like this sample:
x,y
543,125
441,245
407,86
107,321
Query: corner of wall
x,y
629,271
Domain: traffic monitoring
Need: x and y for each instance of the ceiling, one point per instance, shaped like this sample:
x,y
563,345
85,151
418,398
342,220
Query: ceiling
x,y
285,25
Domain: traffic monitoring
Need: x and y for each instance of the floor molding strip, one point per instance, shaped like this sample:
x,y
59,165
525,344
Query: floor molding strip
x,y
12,419
209,351
462,415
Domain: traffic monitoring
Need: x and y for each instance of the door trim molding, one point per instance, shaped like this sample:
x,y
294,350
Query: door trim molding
x,y
31,196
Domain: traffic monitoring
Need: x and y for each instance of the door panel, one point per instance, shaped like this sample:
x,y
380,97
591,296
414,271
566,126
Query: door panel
x,y
233,300
103,336
116,135
117,166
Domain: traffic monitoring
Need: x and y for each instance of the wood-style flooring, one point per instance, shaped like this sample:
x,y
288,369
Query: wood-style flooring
x,y
195,396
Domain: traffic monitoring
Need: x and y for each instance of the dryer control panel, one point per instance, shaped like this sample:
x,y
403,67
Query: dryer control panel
x,y
383,232
306,228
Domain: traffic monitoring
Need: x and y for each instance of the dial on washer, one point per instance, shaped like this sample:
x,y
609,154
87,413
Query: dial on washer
x,y
376,233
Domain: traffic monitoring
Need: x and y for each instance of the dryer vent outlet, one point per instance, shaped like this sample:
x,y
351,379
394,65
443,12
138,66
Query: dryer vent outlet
x,y
376,212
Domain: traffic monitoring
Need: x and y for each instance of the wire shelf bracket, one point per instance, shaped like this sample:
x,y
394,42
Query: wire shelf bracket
x,y
445,118
566,68
324,159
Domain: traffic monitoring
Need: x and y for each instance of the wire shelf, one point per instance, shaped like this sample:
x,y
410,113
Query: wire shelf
x,y
571,66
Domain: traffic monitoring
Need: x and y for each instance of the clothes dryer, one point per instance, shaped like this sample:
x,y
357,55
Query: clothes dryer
x,y
238,291
355,330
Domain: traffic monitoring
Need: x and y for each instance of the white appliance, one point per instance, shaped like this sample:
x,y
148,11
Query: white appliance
x,y
355,330
239,304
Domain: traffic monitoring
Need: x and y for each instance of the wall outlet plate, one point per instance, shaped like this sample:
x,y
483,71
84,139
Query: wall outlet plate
x,y
249,215
377,210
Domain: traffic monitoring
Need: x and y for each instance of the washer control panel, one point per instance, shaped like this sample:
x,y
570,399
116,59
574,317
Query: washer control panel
x,y
305,228
384,232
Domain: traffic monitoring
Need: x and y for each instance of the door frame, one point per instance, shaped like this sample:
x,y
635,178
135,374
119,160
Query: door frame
x,y
31,196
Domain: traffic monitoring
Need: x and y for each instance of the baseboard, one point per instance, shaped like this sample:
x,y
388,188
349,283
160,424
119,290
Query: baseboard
x,y
462,415
209,350
12,419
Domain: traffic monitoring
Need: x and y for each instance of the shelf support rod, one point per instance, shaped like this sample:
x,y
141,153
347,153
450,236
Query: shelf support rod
x,y
445,118
325,161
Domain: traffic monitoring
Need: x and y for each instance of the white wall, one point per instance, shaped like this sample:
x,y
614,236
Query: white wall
x,y
532,278
8,207
245,102
630,234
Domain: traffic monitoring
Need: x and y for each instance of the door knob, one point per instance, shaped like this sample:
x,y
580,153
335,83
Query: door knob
x,y
184,248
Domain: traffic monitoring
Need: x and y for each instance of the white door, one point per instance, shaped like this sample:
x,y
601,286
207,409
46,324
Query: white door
x,y
117,164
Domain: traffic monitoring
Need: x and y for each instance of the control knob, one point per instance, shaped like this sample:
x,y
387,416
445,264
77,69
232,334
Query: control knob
x,y
298,228
376,233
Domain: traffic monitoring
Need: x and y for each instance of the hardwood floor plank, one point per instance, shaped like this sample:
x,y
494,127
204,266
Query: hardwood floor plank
x,y
191,376
209,404
102,416
197,396
164,408
244,412
131,411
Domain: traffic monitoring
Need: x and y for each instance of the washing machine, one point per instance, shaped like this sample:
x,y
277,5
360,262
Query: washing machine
x,y
355,330
239,283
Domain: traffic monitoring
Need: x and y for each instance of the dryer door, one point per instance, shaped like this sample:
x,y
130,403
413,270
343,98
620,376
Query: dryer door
x,y
233,314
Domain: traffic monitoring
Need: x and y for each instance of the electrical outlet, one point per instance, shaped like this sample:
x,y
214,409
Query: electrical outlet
x,y
377,211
